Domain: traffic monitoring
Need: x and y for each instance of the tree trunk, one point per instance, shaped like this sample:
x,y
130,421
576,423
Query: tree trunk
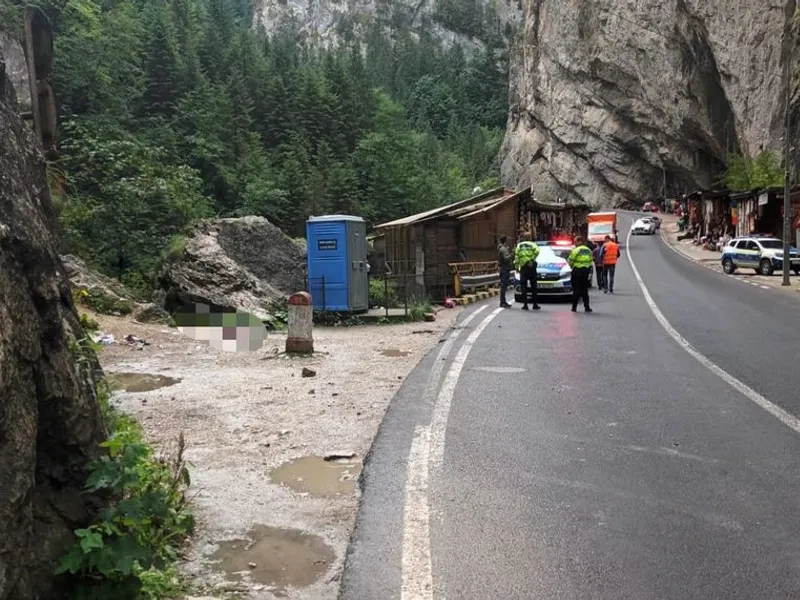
x,y
50,423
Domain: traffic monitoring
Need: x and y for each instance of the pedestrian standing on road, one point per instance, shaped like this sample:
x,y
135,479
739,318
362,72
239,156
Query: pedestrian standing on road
x,y
581,262
505,261
525,255
610,258
597,255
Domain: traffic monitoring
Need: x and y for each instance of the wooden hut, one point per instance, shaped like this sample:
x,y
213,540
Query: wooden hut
x,y
420,248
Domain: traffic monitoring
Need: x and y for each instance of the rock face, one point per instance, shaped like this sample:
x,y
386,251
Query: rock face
x,y
244,264
50,423
325,20
16,69
605,94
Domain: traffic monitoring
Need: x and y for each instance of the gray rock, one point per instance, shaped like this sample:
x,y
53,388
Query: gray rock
x,y
50,423
605,94
16,68
245,264
322,21
150,313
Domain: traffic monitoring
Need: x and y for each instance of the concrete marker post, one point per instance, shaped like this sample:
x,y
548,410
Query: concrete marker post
x,y
301,319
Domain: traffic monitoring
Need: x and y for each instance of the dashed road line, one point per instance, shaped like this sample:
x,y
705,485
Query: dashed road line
x,y
783,416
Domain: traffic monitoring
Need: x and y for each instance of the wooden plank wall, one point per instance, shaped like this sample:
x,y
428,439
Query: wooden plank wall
x,y
441,248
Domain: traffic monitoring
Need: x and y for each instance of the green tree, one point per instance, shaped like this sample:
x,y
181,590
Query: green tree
x,y
743,175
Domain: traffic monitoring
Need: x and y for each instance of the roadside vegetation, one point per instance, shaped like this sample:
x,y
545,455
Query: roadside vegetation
x,y
129,551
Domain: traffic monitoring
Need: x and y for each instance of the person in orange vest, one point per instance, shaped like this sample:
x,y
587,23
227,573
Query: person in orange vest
x,y
610,255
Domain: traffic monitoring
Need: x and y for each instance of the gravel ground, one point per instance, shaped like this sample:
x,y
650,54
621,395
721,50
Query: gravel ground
x,y
244,414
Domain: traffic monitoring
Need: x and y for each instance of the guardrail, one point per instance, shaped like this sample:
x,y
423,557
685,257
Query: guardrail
x,y
474,275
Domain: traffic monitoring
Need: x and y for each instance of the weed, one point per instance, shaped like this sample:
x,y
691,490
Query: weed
x,y
128,552
383,293
102,303
89,324
418,308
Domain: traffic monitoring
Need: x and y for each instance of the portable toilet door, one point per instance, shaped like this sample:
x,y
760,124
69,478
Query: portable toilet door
x,y
359,273
328,263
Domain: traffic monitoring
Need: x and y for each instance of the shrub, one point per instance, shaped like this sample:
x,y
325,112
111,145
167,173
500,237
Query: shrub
x,y
382,295
128,551
101,303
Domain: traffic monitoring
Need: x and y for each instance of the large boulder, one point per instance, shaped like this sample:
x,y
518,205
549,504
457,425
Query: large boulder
x,y
245,264
50,423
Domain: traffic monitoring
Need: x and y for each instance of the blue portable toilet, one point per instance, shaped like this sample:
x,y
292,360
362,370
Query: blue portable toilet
x,y
338,278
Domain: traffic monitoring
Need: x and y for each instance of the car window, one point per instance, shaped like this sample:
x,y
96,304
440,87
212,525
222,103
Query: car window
x,y
772,244
751,245
546,255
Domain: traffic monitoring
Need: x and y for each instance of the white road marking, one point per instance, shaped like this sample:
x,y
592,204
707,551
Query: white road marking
x,y
783,416
417,578
764,287
441,410
417,571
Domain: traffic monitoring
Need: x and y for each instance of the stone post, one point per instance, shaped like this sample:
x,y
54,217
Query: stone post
x,y
301,319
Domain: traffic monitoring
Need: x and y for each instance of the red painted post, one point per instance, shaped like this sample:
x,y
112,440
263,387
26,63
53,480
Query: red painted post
x,y
301,319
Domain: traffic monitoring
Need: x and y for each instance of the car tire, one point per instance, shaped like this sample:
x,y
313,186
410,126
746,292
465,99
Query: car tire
x,y
796,271
728,267
765,267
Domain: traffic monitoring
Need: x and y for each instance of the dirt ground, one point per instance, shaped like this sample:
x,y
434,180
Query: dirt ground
x,y
274,516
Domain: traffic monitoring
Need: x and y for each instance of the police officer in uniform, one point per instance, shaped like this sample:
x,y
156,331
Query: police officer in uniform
x,y
581,261
525,256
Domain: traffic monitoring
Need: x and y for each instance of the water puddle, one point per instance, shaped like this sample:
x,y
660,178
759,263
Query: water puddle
x,y
139,382
393,353
278,558
318,477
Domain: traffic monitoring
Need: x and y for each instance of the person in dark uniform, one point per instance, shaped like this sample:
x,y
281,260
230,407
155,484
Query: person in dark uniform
x,y
505,261
581,262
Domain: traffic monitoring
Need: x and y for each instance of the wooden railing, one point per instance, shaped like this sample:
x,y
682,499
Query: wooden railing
x,y
474,275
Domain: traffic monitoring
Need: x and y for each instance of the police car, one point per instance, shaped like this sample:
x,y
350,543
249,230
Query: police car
x,y
554,275
763,254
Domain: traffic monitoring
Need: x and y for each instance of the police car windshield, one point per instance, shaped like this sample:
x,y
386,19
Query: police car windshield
x,y
547,255
771,244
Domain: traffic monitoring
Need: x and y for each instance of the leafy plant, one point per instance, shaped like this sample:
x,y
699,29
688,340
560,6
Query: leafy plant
x,y
102,303
418,308
382,293
128,551
89,324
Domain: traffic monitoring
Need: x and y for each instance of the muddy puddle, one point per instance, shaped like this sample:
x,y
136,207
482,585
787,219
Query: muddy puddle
x,y
139,382
394,353
318,477
278,558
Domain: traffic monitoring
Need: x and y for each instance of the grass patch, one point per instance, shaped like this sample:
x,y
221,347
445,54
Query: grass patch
x,y
129,551
102,303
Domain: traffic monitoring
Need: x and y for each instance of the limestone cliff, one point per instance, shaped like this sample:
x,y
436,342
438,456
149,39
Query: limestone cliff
x,y
607,93
452,21
50,423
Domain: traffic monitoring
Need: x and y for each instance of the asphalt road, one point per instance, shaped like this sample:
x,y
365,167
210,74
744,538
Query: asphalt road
x,y
591,456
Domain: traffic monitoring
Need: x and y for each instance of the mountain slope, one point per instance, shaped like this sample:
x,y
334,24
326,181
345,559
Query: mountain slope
x,y
604,94
467,22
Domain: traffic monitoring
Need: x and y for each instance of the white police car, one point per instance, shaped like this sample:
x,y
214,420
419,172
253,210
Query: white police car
x,y
763,254
554,275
